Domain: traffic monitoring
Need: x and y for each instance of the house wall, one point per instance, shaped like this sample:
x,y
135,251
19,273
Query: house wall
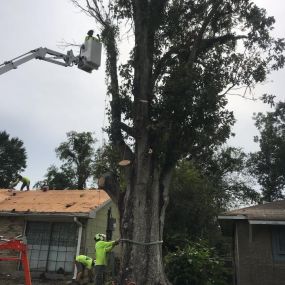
x,y
253,253
10,227
99,225
13,226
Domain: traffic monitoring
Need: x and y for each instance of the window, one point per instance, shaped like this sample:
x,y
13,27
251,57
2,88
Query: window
x,y
52,246
278,243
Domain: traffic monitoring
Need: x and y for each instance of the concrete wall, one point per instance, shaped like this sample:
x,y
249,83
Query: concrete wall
x,y
10,227
253,252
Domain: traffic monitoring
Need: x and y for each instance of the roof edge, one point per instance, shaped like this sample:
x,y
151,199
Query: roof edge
x,y
237,217
92,214
18,214
264,222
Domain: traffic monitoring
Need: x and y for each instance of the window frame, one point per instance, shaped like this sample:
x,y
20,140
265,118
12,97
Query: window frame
x,y
278,254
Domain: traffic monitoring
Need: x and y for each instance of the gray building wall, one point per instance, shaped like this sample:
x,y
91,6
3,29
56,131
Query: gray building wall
x,y
99,225
253,256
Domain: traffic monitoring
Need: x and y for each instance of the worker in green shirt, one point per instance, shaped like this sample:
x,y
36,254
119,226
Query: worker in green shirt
x,y
25,182
90,36
101,248
83,263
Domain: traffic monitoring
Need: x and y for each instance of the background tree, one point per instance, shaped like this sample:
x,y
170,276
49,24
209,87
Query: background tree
x,y
200,191
58,178
77,155
171,101
268,164
12,158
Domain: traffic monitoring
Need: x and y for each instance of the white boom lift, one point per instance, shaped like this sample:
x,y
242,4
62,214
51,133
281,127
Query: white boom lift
x,y
88,59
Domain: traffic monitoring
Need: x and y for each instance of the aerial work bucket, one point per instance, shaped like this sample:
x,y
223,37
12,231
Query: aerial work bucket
x,y
90,55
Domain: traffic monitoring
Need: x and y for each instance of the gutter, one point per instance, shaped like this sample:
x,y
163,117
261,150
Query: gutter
x,y
78,243
48,215
265,222
237,217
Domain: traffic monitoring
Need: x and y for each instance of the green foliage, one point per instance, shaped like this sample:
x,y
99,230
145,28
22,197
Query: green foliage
x,y
170,97
106,160
268,164
228,172
195,264
192,202
201,190
12,159
58,178
194,67
77,155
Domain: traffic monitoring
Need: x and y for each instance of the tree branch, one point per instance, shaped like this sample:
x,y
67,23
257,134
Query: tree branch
x,y
206,44
129,130
199,37
109,182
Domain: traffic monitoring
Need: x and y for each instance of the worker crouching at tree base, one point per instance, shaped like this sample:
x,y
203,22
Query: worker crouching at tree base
x,y
83,263
101,248
25,182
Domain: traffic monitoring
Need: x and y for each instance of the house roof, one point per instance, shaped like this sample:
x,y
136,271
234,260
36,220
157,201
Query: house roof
x,y
274,211
54,202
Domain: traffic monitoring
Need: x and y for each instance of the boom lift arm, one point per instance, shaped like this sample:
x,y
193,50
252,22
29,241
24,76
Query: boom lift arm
x,y
88,59
40,53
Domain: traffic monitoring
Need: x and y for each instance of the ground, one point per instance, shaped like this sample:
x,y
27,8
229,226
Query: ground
x,y
10,280
34,282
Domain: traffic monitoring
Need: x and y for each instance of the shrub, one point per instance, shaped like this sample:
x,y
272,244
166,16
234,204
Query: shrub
x,y
195,264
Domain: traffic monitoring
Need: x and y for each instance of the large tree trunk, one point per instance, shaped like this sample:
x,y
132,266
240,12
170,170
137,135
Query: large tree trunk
x,y
142,218
143,207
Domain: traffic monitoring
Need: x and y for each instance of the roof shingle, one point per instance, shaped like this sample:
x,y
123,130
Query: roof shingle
x,y
274,211
52,201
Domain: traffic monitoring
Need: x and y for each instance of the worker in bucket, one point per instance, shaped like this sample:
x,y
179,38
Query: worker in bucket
x,y
84,263
25,182
102,247
90,36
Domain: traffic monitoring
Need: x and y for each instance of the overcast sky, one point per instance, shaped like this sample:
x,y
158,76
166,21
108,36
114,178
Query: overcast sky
x,y
41,102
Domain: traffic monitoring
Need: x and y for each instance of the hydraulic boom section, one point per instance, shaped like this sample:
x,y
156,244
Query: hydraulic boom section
x,y
88,59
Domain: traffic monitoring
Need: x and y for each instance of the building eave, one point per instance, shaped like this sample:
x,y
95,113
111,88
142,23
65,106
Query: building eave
x,y
54,215
238,217
263,222
92,214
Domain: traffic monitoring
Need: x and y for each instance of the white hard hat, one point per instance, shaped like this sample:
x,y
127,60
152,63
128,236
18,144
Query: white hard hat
x,y
100,237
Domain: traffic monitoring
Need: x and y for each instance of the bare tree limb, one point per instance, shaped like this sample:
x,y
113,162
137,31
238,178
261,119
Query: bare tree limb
x,y
199,37
129,130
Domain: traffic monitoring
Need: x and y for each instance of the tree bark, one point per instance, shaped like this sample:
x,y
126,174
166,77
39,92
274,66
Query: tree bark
x,y
142,218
